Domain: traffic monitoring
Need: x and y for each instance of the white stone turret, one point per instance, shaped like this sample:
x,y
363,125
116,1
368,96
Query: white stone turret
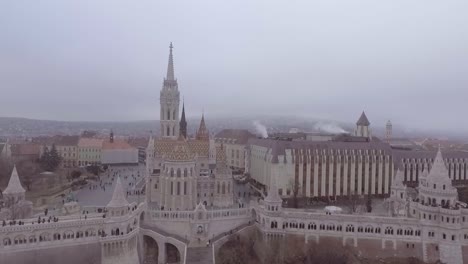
x,y
436,189
169,101
118,205
398,188
273,201
14,192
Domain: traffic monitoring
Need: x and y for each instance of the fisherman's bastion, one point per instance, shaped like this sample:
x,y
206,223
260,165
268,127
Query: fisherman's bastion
x,y
189,209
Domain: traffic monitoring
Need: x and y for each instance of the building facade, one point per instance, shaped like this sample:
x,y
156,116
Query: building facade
x,y
89,151
234,143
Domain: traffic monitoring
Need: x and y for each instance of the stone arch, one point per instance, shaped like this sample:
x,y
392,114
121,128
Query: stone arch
x,y
172,254
20,239
254,215
6,241
68,234
150,250
90,232
142,217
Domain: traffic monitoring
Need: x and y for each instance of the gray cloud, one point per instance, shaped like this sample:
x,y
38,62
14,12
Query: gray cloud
x,y
105,60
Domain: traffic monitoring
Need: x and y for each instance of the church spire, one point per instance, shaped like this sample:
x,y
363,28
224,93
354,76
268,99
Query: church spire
x,y
183,123
170,65
202,133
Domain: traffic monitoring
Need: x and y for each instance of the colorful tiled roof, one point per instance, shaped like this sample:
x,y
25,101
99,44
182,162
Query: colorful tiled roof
x,y
180,152
165,146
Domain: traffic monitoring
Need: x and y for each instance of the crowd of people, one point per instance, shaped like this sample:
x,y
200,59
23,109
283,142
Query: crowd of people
x,y
131,179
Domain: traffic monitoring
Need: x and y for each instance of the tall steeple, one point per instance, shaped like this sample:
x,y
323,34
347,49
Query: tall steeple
x,y
202,133
170,65
169,101
183,123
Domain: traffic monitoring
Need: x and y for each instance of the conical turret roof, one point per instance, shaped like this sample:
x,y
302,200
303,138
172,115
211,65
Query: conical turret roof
x,y
118,197
439,172
14,185
363,121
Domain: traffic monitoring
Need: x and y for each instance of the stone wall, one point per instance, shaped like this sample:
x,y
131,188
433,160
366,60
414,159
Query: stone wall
x,y
77,254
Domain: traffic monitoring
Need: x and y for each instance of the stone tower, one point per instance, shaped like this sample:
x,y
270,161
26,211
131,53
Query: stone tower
x,y
388,130
362,126
223,180
169,101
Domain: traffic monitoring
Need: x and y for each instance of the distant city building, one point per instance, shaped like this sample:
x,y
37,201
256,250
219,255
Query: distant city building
x,y
66,146
89,151
235,143
388,131
118,151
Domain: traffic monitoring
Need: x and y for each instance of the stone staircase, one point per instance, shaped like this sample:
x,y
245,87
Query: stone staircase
x,y
200,255
451,253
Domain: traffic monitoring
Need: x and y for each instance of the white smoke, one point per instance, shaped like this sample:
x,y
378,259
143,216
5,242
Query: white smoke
x,y
261,129
329,127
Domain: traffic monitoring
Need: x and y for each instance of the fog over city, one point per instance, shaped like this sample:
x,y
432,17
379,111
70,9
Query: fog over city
x,y
406,61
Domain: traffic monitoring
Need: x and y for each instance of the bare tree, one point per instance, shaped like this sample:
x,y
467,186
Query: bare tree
x,y
16,210
354,202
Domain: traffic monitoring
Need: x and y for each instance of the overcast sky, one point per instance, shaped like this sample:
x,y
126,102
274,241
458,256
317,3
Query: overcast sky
x,y
105,60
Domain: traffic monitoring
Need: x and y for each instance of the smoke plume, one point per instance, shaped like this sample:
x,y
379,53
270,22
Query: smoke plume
x,y
331,128
261,129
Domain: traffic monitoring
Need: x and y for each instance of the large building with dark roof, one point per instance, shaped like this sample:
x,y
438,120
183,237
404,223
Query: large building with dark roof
x,y
345,165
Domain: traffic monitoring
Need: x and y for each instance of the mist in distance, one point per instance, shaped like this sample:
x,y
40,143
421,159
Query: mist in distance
x,y
406,61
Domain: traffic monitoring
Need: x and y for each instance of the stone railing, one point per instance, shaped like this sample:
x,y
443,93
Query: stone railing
x,y
190,215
